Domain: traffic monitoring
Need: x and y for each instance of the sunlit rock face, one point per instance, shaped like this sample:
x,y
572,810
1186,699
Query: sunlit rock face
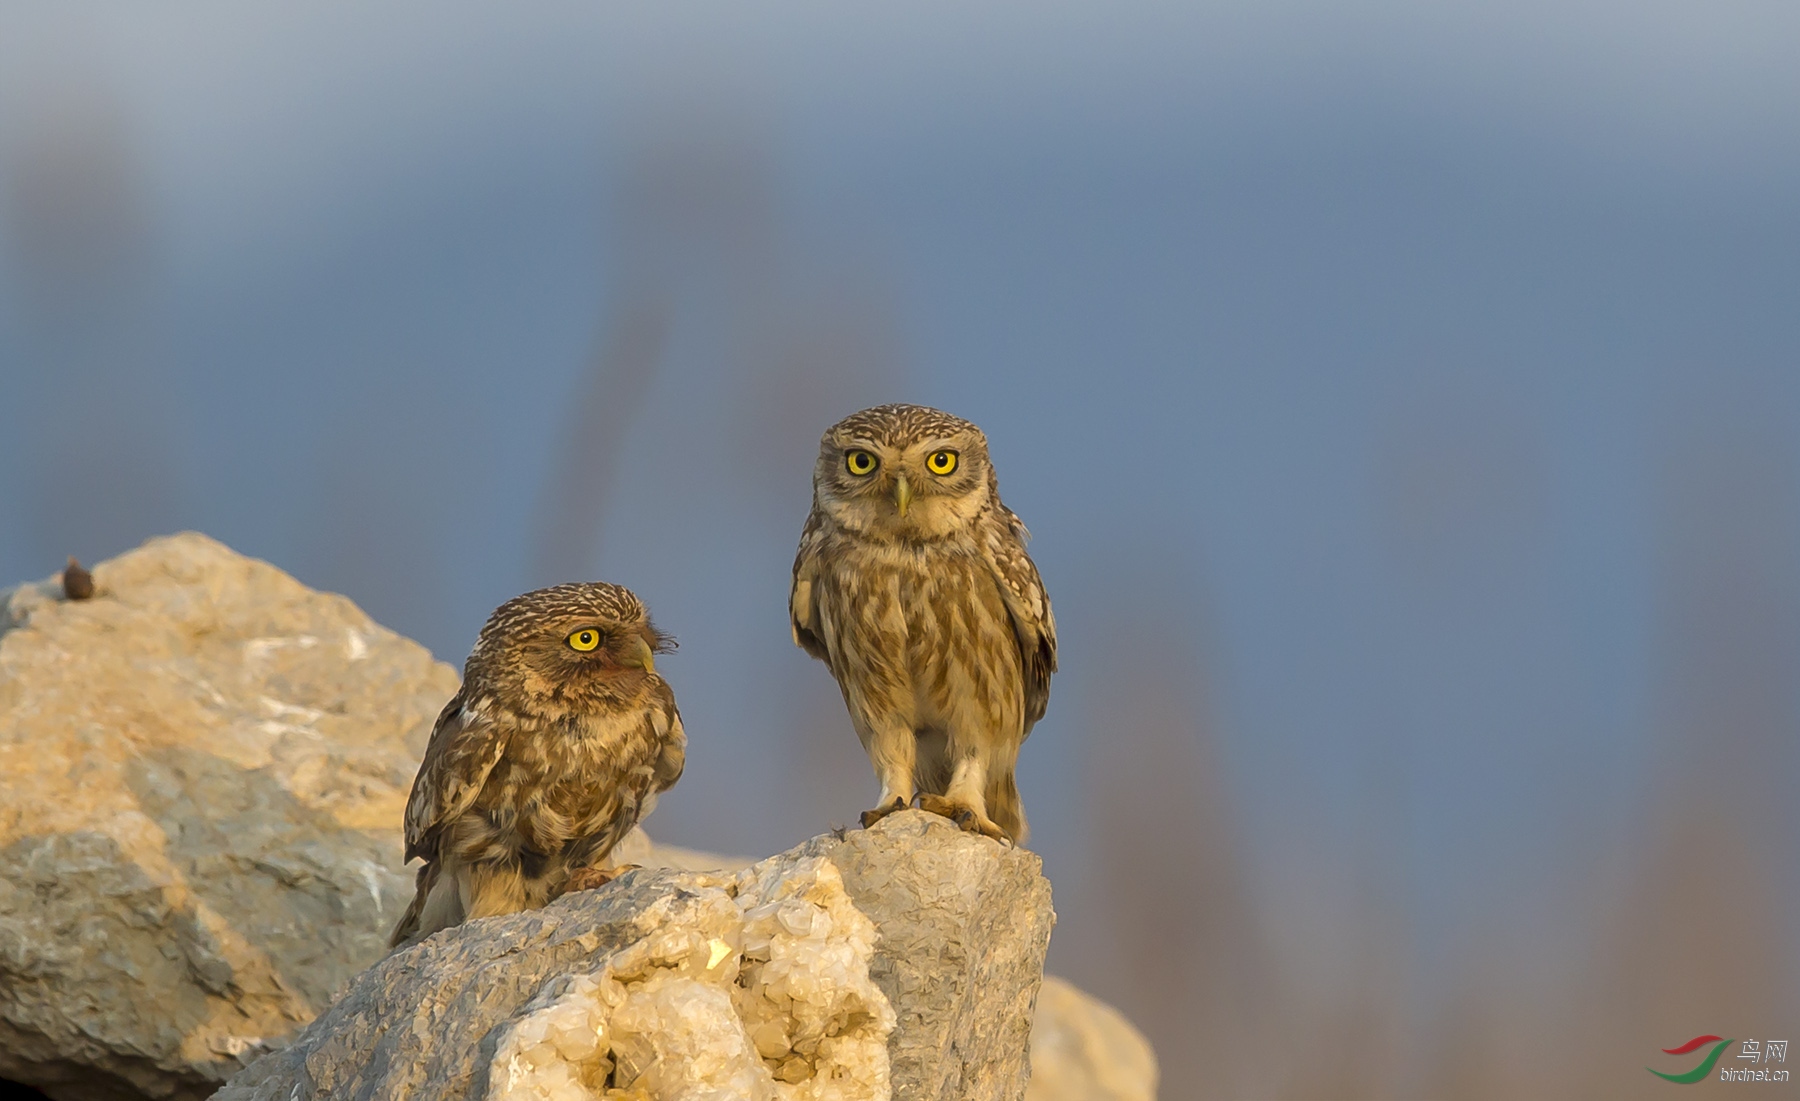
x,y
901,961
1085,1050
202,770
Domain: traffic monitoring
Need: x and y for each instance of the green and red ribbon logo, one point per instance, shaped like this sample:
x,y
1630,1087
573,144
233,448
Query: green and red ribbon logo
x,y
1706,1064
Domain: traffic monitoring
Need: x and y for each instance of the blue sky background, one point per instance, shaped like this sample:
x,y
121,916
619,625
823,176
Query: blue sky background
x,y
1403,399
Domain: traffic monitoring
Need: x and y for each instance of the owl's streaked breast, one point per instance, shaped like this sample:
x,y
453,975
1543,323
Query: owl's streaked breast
x,y
921,628
569,779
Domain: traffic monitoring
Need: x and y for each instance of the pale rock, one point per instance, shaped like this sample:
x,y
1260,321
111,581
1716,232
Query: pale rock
x,y
964,924
1081,1048
201,774
637,848
826,973
1085,1050
780,949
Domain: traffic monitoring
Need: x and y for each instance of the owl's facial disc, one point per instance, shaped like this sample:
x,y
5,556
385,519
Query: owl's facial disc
x,y
908,488
614,645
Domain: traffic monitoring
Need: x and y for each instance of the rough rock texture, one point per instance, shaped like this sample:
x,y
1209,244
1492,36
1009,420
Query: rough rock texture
x,y
1085,1050
637,848
544,1004
1081,1048
201,772
964,926
899,961
768,996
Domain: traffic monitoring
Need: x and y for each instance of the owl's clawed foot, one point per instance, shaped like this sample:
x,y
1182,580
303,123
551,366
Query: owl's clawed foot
x,y
967,818
589,878
870,817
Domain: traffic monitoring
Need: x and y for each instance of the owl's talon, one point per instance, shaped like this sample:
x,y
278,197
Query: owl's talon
x,y
588,879
870,817
937,804
970,822
967,818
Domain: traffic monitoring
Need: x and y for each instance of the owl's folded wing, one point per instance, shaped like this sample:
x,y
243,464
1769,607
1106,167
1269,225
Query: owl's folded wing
x,y
465,746
1034,625
665,723
803,613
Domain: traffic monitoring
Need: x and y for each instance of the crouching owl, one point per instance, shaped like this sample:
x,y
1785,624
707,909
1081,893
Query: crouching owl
x,y
559,741
913,585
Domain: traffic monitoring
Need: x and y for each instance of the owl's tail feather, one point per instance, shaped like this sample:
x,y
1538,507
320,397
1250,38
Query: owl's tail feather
x,y
1004,805
408,926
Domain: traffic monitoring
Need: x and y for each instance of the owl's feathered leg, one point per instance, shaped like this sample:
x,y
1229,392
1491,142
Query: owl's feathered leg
x,y
490,887
892,749
1004,804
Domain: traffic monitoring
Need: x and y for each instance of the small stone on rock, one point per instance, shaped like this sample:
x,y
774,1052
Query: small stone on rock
x,y
78,583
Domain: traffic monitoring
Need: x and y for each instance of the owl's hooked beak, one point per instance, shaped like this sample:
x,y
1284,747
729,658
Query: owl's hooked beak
x,y
640,655
902,494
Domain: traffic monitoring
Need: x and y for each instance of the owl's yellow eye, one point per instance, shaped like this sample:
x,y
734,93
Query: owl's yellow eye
x,y
941,462
859,462
584,640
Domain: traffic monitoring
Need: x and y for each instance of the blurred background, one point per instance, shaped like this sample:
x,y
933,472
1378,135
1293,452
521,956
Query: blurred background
x,y
1405,400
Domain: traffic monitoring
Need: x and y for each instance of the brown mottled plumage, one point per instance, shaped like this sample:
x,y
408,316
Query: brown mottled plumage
x,y
912,583
547,757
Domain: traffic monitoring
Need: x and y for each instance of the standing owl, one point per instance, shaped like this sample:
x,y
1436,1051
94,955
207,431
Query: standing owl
x,y
557,744
912,583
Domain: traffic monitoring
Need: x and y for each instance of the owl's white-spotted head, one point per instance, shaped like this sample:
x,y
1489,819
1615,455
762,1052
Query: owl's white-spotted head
x,y
903,472
567,648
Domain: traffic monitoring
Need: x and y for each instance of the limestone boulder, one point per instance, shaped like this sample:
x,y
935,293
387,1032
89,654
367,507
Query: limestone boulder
x,y
202,769
1085,1050
900,961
